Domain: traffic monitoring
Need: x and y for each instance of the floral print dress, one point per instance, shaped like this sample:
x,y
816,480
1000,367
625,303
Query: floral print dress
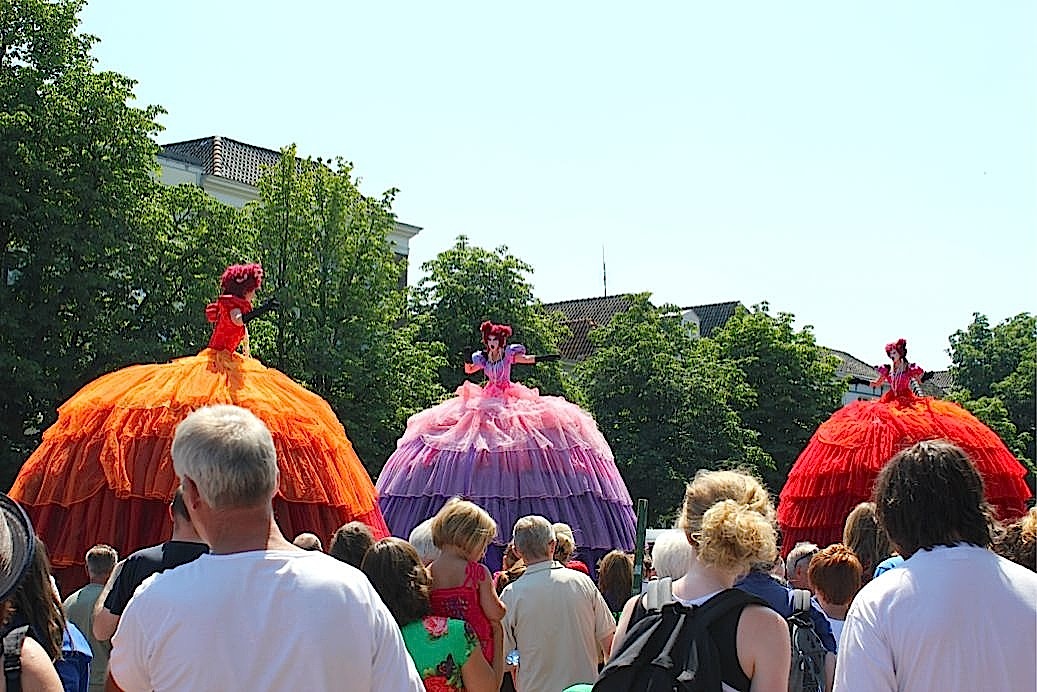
x,y
440,647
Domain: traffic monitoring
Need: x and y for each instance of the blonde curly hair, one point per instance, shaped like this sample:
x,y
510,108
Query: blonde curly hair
x,y
730,517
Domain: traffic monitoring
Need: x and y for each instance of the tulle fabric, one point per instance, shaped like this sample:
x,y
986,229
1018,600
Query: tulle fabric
x,y
514,453
103,473
838,467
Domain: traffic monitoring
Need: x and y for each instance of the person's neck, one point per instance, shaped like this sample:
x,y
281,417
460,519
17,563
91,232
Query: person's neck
x,y
835,612
241,530
702,580
453,552
185,533
530,561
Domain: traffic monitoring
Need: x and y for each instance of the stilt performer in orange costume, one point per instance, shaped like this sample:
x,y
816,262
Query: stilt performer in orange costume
x,y
837,469
103,473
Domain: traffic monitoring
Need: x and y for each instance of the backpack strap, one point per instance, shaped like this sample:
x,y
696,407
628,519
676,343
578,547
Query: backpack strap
x,y
800,599
726,600
659,593
13,658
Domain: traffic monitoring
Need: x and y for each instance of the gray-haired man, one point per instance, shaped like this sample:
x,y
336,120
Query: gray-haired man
x,y
556,617
239,617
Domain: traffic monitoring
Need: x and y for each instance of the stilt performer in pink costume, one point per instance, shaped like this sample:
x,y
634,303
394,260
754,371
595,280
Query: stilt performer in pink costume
x,y
838,467
511,451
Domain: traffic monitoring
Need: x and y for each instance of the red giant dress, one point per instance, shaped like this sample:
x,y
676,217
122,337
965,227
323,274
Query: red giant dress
x,y
838,467
103,473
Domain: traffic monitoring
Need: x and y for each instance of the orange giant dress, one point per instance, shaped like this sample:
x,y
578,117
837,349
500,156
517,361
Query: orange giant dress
x,y
838,467
103,472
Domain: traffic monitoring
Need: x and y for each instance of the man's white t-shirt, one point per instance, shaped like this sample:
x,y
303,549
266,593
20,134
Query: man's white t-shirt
x,y
958,618
260,620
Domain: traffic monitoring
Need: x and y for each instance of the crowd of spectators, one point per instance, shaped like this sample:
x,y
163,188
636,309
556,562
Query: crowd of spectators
x,y
926,591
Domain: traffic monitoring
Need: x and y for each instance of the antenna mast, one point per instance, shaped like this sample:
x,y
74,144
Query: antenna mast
x,y
604,275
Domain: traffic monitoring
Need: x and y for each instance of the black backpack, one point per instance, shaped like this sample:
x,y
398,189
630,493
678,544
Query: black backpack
x,y
807,673
13,657
670,648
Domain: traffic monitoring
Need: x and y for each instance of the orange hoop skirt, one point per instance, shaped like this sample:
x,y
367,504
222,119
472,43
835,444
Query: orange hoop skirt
x,y
839,465
103,473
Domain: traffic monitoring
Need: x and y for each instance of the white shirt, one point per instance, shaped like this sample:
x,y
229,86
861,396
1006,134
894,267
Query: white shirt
x,y
958,618
260,620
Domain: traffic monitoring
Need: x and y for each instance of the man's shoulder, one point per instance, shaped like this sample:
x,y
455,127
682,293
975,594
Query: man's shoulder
x,y
317,568
157,558
151,553
90,592
560,576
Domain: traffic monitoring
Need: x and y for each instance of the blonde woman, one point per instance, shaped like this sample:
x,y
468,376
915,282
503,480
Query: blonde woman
x,y
728,520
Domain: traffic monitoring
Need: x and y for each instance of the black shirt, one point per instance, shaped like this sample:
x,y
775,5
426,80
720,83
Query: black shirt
x,y
145,562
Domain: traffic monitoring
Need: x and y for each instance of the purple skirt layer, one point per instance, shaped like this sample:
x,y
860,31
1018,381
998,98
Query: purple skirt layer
x,y
514,453
596,525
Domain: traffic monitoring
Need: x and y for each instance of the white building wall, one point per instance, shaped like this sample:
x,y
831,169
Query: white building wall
x,y
237,194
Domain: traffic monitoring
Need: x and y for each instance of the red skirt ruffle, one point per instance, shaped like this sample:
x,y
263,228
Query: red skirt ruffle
x,y
838,467
103,472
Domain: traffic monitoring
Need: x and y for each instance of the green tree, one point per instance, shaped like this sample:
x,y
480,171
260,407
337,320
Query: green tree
x,y
467,285
792,377
75,162
666,405
994,370
187,237
341,329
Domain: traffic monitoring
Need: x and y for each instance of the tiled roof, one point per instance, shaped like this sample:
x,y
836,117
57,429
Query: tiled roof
x,y
596,310
581,317
713,315
937,382
225,157
585,314
853,367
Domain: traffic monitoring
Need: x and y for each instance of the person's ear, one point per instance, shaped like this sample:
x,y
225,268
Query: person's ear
x,y
191,495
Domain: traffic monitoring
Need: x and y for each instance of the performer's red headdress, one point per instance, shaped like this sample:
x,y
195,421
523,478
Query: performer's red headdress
x,y
501,331
239,279
900,346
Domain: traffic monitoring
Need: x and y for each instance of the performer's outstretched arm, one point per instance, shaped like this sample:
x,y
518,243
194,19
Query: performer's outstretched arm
x,y
531,360
267,306
882,378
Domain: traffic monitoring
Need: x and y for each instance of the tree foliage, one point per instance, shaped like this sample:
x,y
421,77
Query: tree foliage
x,y
341,328
75,163
994,370
466,285
666,404
793,380
186,239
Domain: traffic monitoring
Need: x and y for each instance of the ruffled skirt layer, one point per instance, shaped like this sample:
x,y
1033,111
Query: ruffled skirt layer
x,y
514,453
103,473
838,467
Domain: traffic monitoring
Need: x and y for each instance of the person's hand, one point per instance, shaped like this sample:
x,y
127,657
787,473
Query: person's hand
x,y
547,358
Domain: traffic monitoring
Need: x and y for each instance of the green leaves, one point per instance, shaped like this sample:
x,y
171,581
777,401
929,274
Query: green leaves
x,y
466,285
665,403
791,377
75,163
995,376
342,329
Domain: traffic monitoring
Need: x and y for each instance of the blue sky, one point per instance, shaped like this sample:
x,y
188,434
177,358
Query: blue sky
x,y
868,167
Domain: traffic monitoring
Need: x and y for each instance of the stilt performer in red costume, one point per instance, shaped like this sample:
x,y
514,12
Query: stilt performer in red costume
x,y
837,469
513,452
103,473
